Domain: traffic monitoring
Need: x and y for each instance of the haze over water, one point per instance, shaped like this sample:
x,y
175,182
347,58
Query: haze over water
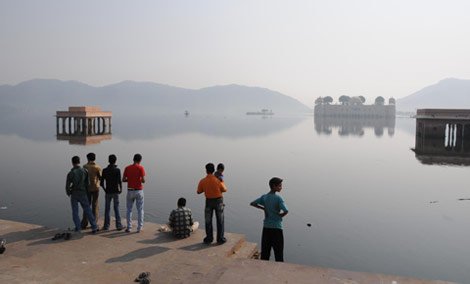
x,y
372,205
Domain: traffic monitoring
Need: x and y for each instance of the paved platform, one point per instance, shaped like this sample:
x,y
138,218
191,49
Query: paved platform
x,y
118,257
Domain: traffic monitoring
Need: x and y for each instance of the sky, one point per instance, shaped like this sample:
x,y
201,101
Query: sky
x,y
303,49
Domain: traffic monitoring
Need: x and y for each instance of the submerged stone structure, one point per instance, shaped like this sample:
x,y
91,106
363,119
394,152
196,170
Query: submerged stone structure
x,y
83,125
443,136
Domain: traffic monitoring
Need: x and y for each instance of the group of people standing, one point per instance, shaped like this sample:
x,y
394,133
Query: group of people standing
x,y
83,184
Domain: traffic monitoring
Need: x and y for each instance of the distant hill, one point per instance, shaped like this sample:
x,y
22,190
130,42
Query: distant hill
x,y
447,93
40,95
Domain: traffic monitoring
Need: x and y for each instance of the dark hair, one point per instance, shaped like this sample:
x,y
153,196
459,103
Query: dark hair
x,y
210,168
75,160
275,181
137,158
181,202
112,159
220,166
91,157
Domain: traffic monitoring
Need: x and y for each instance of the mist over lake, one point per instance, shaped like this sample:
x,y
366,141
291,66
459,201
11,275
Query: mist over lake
x,y
372,205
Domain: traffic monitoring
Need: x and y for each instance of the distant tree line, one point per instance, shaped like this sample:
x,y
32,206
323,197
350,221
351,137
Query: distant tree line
x,y
347,100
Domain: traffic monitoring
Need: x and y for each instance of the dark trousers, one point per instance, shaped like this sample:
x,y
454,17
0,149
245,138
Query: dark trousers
x,y
81,198
107,208
217,205
93,199
272,238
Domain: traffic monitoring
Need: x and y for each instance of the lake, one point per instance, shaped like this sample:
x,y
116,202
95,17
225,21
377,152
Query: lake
x,y
372,205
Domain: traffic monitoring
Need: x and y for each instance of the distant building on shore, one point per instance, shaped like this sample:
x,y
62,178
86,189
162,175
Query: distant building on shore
x,y
442,136
354,107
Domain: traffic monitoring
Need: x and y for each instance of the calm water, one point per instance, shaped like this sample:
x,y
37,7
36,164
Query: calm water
x,y
372,205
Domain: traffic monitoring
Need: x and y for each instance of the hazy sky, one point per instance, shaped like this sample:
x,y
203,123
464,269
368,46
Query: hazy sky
x,y
303,49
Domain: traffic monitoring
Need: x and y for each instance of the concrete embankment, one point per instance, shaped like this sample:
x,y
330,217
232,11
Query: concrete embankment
x,y
118,257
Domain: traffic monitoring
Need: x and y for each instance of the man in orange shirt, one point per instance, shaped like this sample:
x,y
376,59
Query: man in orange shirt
x,y
213,189
134,175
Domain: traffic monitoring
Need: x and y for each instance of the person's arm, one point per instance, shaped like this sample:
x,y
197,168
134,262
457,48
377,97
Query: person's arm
x,y
142,179
258,204
200,188
283,207
68,182
191,218
124,176
171,220
223,188
87,179
119,180
102,182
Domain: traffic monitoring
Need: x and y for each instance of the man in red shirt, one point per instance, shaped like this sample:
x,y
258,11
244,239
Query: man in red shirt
x,y
134,175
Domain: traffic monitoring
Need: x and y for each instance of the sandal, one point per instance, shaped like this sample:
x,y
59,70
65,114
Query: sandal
x,y
57,236
142,276
3,242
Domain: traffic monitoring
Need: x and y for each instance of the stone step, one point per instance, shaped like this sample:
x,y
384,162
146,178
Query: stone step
x,y
247,250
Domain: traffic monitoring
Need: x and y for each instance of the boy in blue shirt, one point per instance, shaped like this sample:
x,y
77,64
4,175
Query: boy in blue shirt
x,y
274,210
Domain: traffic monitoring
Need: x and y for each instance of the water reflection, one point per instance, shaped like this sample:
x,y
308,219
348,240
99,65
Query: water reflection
x,y
150,127
131,127
354,126
83,139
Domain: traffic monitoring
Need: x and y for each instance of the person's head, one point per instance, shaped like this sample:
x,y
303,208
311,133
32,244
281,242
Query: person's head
x,y
137,158
275,184
181,202
91,157
220,167
76,160
210,168
112,159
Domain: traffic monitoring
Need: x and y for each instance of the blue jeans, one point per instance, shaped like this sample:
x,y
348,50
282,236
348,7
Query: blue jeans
x,y
115,198
217,205
75,199
138,197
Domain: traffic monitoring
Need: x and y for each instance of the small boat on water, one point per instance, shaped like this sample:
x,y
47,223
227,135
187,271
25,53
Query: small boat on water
x,y
186,113
262,112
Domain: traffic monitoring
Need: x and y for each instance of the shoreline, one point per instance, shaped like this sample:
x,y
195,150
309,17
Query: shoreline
x,y
118,257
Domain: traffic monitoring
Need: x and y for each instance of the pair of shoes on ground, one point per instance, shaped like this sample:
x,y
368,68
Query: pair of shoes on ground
x,y
107,228
65,236
129,230
209,241
143,278
95,231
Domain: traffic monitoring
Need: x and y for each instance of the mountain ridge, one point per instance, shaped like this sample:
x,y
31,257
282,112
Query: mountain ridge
x,y
53,94
446,93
